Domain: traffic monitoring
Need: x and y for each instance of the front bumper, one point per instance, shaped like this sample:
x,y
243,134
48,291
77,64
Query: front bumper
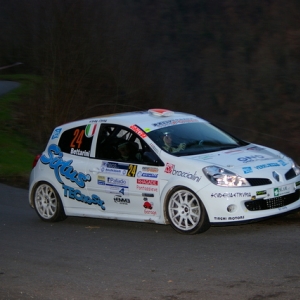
x,y
249,204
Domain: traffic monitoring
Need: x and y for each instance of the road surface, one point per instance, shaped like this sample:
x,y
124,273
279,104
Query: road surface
x,y
82,258
7,86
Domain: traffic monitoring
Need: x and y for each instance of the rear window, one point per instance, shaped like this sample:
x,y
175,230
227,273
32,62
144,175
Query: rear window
x,y
77,141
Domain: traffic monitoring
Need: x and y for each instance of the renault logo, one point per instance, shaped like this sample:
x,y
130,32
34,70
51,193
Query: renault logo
x,y
276,175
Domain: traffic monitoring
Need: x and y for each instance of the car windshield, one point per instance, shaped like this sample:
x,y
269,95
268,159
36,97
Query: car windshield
x,y
193,138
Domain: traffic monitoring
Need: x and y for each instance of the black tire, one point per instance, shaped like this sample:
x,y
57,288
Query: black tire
x,y
186,212
47,203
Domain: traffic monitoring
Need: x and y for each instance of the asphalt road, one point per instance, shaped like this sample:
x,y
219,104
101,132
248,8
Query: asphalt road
x,y
82,258
7,86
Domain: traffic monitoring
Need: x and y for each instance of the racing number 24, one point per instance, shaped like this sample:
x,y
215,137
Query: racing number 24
x,y
78,135
131,170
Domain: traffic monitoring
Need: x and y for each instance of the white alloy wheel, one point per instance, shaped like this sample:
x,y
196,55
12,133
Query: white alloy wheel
x,y
47,203
186,212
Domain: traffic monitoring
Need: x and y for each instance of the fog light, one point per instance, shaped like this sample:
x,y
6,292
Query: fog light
x,y
231,208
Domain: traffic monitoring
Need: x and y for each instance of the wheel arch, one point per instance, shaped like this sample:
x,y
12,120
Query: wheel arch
x,y
168,194
34,185
168,189
58,214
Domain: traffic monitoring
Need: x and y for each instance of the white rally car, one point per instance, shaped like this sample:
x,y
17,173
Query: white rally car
x,y
162,167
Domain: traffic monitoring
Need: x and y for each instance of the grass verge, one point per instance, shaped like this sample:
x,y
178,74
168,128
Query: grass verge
x,y
15,155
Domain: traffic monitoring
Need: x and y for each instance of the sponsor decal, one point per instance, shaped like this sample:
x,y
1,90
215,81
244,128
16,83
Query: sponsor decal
x,y
236,218
112,170
260,167
260,193
123,191
153,147
101,180
282,208
115,165
118,168
114,185
147,205
120,182
282,190
247,170
204,157
62,167
77,195
116,190
230,195
138,131
282,162
175,122
170,169
131,170
207,156
251,158
229,218
79,152
147,195
56,133
121,200
150,169
148,208
90,130
151,175
65,169
147,181
146,188
98,121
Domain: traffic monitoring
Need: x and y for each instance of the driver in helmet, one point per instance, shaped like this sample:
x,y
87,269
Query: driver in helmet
x,y
168,144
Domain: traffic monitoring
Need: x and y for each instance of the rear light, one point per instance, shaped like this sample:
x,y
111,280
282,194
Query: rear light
x,y
36,159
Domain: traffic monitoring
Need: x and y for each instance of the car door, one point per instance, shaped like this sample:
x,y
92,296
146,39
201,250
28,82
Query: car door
x,y
128,186
75,148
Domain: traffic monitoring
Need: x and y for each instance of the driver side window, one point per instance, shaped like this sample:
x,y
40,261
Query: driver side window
x,y
119,143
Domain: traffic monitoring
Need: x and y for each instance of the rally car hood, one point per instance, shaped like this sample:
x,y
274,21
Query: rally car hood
x,y
246,159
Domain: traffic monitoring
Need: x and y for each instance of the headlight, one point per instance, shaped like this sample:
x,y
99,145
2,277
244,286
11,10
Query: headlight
x,y
223,177
296,168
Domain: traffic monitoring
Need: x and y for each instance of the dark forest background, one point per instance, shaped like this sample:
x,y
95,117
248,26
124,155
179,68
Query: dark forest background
x,y
234,63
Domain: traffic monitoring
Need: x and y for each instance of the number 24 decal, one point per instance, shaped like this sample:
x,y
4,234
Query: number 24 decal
x,y
131,170
78,135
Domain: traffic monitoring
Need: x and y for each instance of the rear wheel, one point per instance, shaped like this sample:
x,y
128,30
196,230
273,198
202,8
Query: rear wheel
x,y
47,203
186,212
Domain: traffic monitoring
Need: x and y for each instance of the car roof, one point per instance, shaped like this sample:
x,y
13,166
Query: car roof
x,y
146,118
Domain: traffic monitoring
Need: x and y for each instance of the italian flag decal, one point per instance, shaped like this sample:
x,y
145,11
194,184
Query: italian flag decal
x,y
90,130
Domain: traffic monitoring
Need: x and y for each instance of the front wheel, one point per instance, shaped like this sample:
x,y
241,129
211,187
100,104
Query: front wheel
x,y
47,203
186,212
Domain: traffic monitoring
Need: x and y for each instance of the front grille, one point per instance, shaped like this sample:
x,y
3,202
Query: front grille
x,y
258,181
273,202
290,174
